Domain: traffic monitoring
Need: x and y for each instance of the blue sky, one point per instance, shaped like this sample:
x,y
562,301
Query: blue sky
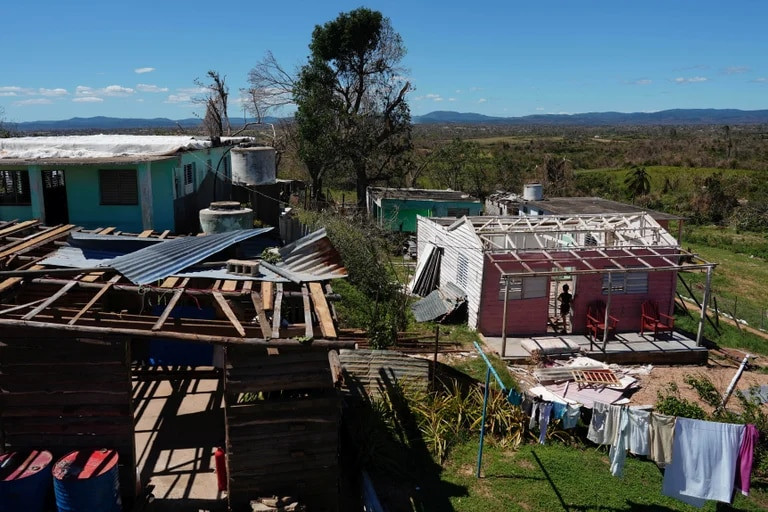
x,y
505,58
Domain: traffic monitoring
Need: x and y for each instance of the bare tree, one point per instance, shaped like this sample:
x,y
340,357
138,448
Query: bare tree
x,y
216,97
270,87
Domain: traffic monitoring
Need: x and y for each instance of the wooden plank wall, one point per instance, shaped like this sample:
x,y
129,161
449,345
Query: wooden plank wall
x,y
287,441
63,393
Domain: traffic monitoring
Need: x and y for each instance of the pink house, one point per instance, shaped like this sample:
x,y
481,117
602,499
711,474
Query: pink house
x,y
620,260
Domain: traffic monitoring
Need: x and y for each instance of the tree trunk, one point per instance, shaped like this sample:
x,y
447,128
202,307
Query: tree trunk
x,y
362,186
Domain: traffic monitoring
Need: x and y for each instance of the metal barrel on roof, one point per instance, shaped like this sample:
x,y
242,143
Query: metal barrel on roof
x,y
25,480
86,481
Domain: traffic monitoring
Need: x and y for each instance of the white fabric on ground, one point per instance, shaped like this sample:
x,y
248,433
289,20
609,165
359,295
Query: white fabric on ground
x,y
703,463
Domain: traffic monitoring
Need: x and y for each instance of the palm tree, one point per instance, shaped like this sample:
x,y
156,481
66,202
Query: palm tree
x,y
638,182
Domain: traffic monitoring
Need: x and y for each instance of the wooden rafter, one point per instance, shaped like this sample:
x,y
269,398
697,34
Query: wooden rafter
x,y
104,289
177,293
227,310
308,332
322,311
50,300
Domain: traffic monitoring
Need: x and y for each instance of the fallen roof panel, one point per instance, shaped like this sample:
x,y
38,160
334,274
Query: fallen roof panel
x,y
440,302
165,259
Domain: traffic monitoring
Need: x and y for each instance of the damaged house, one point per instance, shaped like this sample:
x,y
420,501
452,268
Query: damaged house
x,y
512,270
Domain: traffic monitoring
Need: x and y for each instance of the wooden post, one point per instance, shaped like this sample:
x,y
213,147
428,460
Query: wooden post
x,y
434,365
504,318
704,302
607,310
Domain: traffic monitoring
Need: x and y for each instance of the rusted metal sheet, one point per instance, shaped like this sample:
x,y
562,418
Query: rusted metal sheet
x,y
370,371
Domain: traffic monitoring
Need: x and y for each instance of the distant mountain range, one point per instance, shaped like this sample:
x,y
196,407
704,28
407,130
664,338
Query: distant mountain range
x,y
116,124
664,117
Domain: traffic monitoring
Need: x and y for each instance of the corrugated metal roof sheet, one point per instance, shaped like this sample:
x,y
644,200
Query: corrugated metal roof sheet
x,y
367,371
311,258
165,259
440,302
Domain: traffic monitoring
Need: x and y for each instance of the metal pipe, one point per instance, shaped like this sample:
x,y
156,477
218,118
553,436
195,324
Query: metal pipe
x,y
482,423
734,381
490,366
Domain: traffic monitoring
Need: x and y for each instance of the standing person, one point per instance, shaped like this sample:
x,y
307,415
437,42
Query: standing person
x,y
565,299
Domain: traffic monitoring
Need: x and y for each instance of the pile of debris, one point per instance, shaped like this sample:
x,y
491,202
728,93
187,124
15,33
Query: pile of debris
x,y
582,380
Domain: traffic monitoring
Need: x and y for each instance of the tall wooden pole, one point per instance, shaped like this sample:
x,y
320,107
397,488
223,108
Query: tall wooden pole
x,y
704,302
504,318
607,310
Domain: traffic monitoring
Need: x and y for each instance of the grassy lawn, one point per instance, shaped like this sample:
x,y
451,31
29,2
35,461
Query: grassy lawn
x,y
555,477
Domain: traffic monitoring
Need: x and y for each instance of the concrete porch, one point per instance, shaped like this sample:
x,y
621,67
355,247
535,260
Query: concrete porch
x,y
624,348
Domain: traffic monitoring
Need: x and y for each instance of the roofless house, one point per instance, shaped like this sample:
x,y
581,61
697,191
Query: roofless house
x,y
513,268
77,306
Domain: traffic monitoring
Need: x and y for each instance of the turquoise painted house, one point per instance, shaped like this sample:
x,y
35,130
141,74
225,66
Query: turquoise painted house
x,y
399,207
131,182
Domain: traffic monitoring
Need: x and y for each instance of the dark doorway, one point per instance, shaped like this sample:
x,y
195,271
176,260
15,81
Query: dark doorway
x,y
55,197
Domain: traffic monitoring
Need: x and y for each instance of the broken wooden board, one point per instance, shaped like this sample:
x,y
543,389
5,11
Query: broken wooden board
x,y
322,310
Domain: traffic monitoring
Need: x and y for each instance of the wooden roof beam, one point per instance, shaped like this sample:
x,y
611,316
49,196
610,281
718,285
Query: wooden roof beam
x,y
104,289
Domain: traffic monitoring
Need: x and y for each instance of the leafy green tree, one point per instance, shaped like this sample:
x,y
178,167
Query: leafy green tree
x,y
355,60
637,182
354,123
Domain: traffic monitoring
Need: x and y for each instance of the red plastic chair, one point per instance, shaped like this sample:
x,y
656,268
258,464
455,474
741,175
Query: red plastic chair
x,y
596,320
654,321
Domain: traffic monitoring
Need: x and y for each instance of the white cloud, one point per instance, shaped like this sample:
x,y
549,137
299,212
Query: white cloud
x,y
473,89
690,80
761,80
451,99
187,94
52,92
87,99
178,98
539,109
110,90
482,100
144,70
458,91
34,101
642,81
12,90
735,70
150,88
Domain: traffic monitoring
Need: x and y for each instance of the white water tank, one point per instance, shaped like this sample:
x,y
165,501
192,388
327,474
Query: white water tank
x,y
253,166
223,216
532,192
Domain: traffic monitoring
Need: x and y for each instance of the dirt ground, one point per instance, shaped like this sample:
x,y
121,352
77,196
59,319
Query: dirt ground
x,y
718,371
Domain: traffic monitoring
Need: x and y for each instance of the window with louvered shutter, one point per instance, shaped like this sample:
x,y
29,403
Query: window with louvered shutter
x,y
118,186
14,187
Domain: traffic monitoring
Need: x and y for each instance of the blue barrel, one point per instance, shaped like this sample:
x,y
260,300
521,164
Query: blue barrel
x,y
25,481
87,481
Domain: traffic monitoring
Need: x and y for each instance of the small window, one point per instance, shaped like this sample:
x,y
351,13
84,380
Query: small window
x,y
626,282
118,186
14,187
189,178
589,239
524,288
462,271
189,174
457,212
